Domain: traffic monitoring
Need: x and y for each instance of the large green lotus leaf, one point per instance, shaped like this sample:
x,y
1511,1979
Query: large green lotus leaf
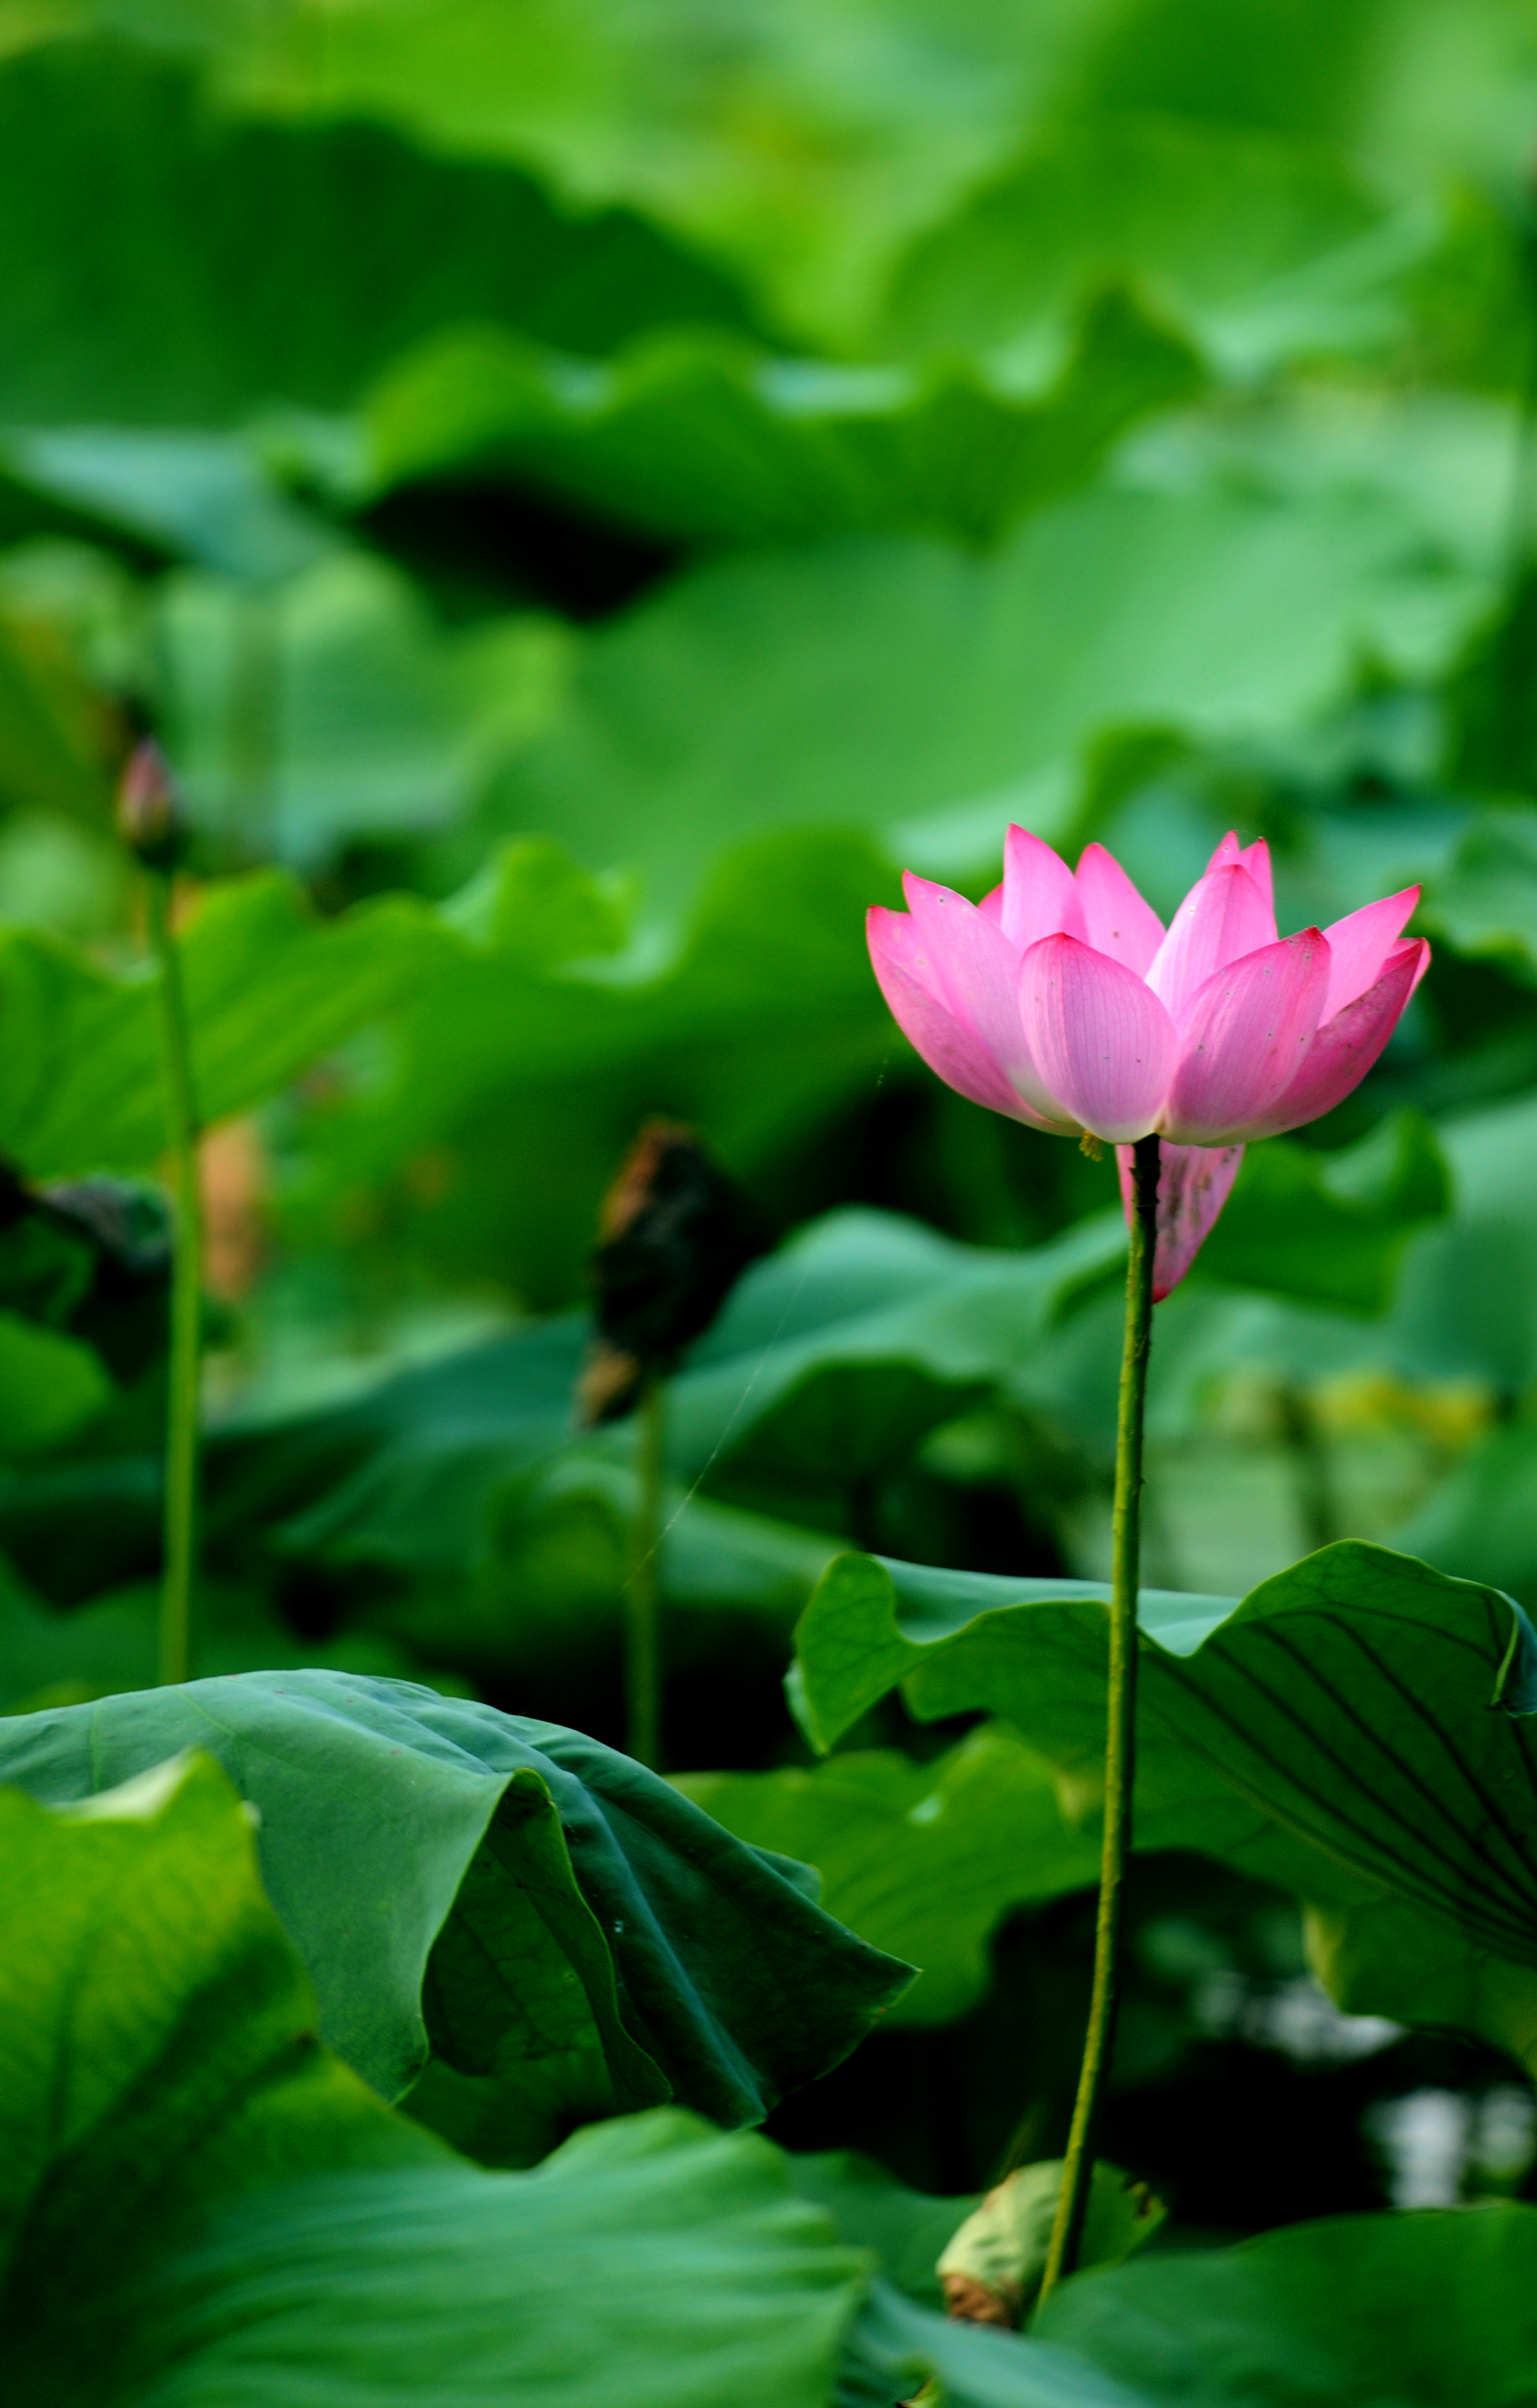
x,y
537,1905
1446,458
65,1655
922,1860
467,1469
820,138
51,1387
652,2262
765,1025
55,738
1259,247
1439,2310
1348,1699
170,265
873,2210
831,1360
270,987
1382,1957
1486,902
805,147
912,689
405,1472
1422,95
162,494
834,1356
332,704
698,435
1479,1522
896,2349
1332,1229
157,2053
1467,1305
873,1623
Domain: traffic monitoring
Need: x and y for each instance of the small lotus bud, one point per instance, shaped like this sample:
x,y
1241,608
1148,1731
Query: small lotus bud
x,y
150,820
673,1235
991,2268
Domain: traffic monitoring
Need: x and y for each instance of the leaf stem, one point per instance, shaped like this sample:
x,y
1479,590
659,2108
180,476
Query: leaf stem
x,y
642,1593
1120,1726
181,1412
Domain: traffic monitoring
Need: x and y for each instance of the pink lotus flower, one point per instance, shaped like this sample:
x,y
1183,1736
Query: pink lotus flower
x,y
1062,1001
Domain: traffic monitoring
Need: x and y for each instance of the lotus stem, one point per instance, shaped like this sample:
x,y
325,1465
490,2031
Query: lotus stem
x,y
643,1593
1121,1726
182,1401
1318,1505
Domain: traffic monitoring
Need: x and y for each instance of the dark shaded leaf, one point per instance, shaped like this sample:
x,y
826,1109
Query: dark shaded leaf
x,y
699,437
322,250
1383,1957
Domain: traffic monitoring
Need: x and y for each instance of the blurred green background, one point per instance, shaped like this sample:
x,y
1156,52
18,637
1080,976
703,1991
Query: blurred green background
x,y
588,489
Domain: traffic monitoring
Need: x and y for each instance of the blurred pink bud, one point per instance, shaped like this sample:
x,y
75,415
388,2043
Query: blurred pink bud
x,y
1062,1001
150,817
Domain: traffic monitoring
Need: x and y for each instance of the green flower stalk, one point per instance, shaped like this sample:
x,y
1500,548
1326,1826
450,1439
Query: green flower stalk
x,y
1120,1746
643,1588
149,823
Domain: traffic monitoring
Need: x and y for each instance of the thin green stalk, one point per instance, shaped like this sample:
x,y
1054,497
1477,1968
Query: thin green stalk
x,y
182,1415
642,1596
1318,1505
1122,1723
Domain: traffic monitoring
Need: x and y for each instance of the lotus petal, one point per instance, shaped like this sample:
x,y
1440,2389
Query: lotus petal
x,y
1243,1038
1360,944
1040,895
1223,918
1102,1043
1348,1046
1116,921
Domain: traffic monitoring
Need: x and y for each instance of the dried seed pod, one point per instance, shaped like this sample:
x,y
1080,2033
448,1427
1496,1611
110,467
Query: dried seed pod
x,y
675,1234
